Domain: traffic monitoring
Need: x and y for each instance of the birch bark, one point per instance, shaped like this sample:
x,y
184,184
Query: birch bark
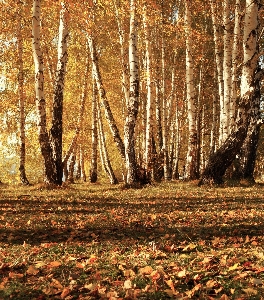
x,y
103,149
132,107
46,150
191,160
219,66
224,156
56,128
149,77
93,169
108,113
23,177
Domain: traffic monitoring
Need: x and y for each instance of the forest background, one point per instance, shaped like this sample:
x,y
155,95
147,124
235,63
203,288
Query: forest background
x,y
167,75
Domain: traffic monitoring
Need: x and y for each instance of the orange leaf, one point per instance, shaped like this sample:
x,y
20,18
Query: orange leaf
x,y
32,270
66,291
146,270
54,264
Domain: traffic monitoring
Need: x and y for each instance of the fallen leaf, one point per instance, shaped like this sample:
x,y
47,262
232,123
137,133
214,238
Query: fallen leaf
x,y
15,275
66,291
129,273
189,247
250,291
182,273
128,284
211,283
224,297
32,270
234,267
257,281
55,264
146,270
56,284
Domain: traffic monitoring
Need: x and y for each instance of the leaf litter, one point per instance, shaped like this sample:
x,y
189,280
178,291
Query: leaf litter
x,y
169,241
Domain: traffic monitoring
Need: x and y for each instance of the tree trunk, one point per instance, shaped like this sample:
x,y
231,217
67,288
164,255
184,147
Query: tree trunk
x,y
56,128
83,174
248,153
225,155
103,149
81,114
93,169
23,177
191,160
219,67
132,108
149,75
46,150
108,113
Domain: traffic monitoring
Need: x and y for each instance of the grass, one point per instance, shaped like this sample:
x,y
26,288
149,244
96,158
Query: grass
x,y
168,241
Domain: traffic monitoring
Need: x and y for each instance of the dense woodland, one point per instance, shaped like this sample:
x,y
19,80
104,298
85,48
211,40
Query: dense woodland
x,y
135,91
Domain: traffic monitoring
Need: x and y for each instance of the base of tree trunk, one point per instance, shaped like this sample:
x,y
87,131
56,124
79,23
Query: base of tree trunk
x,y
219,161
93,177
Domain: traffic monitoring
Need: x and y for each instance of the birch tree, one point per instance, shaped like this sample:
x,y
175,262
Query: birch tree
x,y
132,106
191,160
225,155
149,79
23,177
94,164
46,150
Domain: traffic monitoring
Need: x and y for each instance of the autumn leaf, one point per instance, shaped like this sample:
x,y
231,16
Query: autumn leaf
x,y
182,273
146,270
127,284
234,267
32,270
250,291
54,264
66,291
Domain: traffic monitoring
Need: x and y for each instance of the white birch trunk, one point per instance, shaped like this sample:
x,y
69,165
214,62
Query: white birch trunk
x,y
132,108
219,66
191,159
235,62
149,77
80,116
103,149
46,150
225,155
94,164
23,177
57,122
124,55
227,71
108,113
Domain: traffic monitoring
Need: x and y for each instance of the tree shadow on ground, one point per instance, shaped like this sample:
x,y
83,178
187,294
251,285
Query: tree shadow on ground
x,y
43,219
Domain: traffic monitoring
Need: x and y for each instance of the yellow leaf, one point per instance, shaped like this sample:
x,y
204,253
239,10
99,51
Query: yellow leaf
x,y
40,264
182,273
189,247
128,284
234,267
211,283
250,291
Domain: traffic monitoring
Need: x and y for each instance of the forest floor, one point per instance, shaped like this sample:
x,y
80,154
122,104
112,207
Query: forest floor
x,y
171,240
